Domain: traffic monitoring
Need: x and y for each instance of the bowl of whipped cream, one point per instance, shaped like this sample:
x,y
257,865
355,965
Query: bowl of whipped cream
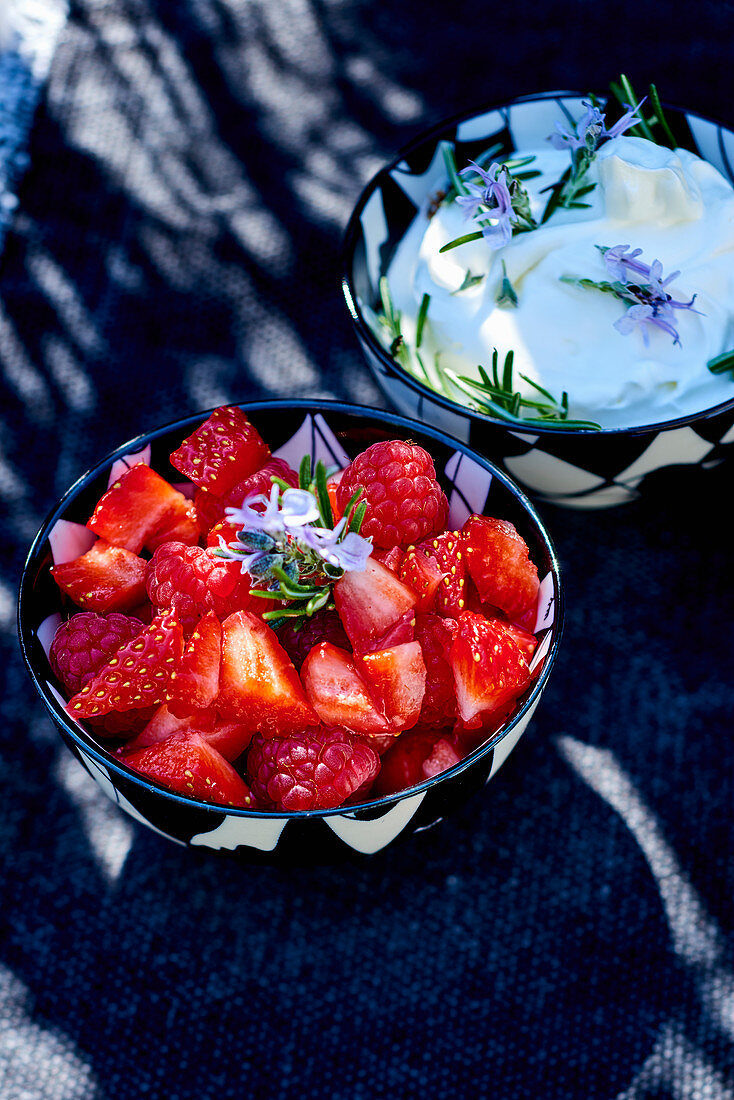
x,y
551,280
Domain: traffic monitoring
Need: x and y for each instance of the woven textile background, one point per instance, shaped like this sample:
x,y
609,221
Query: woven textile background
x,y
570,933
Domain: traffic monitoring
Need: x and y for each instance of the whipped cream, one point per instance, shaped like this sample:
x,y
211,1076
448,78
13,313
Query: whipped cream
x,y
671,204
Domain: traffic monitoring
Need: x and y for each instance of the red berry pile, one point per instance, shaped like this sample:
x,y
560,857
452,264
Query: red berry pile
x,y
169,657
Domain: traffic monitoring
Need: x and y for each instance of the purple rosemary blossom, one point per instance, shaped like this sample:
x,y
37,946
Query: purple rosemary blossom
x,y
348,552
491,201
590,132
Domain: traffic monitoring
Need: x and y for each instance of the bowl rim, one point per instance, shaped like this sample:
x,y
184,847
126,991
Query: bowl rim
x,y
91,748
366,335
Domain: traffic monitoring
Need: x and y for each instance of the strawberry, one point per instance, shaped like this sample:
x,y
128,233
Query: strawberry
x,y
423,574
370,603
138,675
499,563
106,578
193,580
141,509
258,682
489,669
404,501
526,641
222,451
195,684
316,770
338,693
436,634
185,763
397,677
230,737
415,756
392,558
210,508
446,551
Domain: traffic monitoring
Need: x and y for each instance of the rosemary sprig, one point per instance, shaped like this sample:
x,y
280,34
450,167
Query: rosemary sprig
x,y
496,395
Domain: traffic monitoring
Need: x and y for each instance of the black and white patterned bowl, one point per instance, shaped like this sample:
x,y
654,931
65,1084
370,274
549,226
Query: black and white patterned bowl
x,y
336,433
579,469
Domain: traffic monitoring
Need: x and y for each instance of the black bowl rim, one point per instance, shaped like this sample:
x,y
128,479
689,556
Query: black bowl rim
x,y
365,333
107,760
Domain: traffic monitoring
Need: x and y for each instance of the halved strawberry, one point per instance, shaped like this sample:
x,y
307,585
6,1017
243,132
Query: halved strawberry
x,y
139,674
222,451
258,682
415,756
187,764
397,677
141,509
446,552
489,669
337,692
423,575
370,603
106,578
195,684
499,562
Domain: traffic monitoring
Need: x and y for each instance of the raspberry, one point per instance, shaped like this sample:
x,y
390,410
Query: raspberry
x,y
84,644
325,626
405,503
192,581
317,769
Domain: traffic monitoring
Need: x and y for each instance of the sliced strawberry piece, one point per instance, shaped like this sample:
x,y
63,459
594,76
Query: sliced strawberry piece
x,y
499,562
222,451
185,763
181,526
527,642
258,683
423,575
230,737
139,674
337,692
106,578
415,756
195,684
489,670
140,506
370,603
392,558
446,552
210,508
436,634
397,677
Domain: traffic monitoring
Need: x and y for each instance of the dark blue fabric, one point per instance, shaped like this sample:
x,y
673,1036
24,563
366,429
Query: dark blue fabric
x,y
569,933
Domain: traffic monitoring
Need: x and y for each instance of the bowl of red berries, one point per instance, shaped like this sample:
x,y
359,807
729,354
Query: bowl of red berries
x,y
288,631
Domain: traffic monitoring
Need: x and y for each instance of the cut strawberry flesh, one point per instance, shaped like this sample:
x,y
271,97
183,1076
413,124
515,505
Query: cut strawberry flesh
x,y
187,764
230,737
397,677
500,566
196,681
369,603
337,692
423,575
258,683
416,756
222,451
489,670
139,508
106,578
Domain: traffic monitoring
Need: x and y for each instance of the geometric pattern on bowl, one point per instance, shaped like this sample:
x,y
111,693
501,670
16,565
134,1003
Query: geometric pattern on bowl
x,y
337,433
575,469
